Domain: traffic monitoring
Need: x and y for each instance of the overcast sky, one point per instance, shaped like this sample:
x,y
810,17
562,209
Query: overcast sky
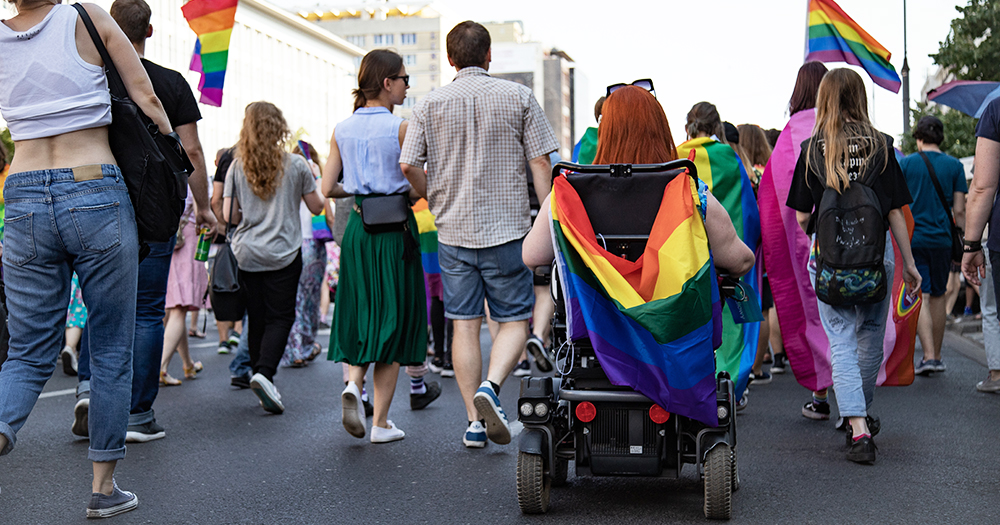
x,y
738,54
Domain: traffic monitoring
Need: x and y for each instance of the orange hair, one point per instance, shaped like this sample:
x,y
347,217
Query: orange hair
x,y
634,130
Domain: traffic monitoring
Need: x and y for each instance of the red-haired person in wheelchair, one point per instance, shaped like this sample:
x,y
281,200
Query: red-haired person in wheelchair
x,y
634,130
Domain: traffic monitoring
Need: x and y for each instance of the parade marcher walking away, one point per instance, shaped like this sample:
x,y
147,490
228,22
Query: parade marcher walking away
x,y
63,169
848,192
933,176
474,135
981,209
261,198
381,306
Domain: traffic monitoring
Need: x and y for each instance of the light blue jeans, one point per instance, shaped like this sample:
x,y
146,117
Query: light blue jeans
x,y
991,325
856,335
53,226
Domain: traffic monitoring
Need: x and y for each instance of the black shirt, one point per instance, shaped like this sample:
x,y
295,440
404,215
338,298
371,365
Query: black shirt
x,y
223,167
174,93
989,128
881,174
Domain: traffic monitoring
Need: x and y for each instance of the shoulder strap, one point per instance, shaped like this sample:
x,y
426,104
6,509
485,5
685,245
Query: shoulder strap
x,y
115,82
937,187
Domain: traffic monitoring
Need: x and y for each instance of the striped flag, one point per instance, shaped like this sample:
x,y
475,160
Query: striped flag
x,y
651,322
835,37
212,21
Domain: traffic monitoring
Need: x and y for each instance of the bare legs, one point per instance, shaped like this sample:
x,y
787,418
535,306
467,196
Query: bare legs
x,y
73,335
104,472
175,339
930,326
466,356
385,387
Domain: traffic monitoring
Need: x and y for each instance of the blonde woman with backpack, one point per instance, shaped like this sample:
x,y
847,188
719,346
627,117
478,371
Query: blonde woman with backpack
x,y
848,191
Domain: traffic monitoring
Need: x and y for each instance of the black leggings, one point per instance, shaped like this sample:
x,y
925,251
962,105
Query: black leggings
x,y
270,313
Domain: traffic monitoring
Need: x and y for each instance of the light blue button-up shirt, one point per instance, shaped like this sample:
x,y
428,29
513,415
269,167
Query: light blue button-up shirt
x,y
369,148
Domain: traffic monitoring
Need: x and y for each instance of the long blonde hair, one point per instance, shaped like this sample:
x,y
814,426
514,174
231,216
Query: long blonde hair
x,y
261,147
842,114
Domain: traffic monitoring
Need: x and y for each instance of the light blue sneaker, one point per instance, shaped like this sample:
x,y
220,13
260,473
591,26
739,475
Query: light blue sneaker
x,y
488,405
475,435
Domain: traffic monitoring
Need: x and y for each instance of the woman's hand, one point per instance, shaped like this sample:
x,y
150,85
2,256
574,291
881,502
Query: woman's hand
x,y
974,266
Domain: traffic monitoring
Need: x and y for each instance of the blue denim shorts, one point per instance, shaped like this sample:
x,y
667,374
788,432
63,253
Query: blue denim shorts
x,y
496,274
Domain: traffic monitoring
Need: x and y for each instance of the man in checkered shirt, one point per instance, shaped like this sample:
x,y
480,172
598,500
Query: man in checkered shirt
x,y
474,135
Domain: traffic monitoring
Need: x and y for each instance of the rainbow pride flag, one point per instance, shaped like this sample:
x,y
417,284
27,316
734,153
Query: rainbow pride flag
x,y
786,257
727,179
428,237
835,37
212,21
652,322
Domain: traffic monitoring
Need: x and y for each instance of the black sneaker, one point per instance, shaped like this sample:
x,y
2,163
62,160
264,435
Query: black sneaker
x,y
118,502
242,381
436,365
522,369
874,427
780,362
925,368
537,350
420,401
760,379
862,450
817,411
146,432
447,370
81,416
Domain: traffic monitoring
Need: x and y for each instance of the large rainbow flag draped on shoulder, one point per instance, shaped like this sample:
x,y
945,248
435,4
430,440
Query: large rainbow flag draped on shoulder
x,y
786,257
212,21
835,37
721,169
651,322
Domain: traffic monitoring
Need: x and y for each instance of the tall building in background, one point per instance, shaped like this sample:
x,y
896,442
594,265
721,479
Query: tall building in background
x,y
415,30
550,73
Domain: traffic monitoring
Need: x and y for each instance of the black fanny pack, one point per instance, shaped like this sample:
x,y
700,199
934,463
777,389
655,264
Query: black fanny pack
x,y
384,213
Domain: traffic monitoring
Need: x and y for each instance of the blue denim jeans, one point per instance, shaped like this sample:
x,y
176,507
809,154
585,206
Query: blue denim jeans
x,y
151,298
240,365
55,225
856,335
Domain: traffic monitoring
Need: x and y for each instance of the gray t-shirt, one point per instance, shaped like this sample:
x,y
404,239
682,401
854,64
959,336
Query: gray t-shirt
x,y
269,235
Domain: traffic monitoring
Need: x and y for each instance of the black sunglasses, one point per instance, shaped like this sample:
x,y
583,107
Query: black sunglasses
x,y
645,83
404,78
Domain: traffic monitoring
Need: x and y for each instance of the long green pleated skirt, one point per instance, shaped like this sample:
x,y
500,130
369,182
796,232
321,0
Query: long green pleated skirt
x,y
380,310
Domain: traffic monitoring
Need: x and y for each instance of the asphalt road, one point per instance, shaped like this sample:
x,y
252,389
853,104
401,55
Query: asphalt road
x,y
225,460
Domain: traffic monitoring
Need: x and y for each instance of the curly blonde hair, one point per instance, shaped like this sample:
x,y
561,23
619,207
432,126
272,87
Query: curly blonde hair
x,y
261,148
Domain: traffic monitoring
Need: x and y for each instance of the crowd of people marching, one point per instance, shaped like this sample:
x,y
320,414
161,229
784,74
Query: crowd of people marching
x,y
432,231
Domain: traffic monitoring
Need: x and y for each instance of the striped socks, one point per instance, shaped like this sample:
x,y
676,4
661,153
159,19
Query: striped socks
x,y
417,385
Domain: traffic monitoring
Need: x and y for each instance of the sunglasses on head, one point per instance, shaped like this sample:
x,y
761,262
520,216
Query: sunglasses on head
x,y
404,78
645,83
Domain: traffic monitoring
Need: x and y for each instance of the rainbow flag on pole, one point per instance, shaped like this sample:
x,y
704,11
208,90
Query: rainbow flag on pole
x,y
727,179
835,37
652,322
212,21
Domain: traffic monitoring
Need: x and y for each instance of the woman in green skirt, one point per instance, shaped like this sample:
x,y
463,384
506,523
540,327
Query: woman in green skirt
x,y
381,315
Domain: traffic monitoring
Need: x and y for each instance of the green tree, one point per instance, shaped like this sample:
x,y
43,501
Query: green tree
x,y
8,144
971,52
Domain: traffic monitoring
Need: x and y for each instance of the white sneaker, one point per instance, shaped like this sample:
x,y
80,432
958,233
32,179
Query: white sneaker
x,y
269,397
386,435
68,358
354,410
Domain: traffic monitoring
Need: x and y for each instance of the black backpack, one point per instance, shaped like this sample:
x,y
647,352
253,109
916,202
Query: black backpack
x,y
850,245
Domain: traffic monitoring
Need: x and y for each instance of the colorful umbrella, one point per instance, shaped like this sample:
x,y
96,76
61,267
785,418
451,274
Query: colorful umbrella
x,y
968,96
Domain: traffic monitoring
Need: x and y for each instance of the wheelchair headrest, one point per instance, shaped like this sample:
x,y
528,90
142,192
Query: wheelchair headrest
x,y
622,199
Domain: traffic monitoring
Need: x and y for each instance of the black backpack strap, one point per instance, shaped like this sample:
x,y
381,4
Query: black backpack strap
x,y
115,82
937,187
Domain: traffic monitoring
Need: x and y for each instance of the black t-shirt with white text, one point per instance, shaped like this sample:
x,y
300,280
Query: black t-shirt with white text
x,y
881,174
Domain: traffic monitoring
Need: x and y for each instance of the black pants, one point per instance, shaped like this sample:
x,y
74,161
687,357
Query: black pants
x,y
271,313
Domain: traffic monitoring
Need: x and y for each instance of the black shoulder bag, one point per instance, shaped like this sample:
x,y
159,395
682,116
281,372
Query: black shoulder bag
x,y
228,297
155,166
956,236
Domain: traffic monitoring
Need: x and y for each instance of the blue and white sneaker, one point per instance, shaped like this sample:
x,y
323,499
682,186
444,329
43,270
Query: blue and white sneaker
x,y
488,405
475,435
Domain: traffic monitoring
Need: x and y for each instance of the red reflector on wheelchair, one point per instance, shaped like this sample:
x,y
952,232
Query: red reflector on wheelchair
x,y
658,415
586,411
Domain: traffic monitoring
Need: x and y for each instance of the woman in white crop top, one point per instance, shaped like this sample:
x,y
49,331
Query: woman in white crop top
x,y
68,209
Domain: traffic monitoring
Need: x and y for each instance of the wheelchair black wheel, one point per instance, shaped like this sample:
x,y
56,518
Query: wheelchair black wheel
x,y
718,483
735,475
559,471
532,485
